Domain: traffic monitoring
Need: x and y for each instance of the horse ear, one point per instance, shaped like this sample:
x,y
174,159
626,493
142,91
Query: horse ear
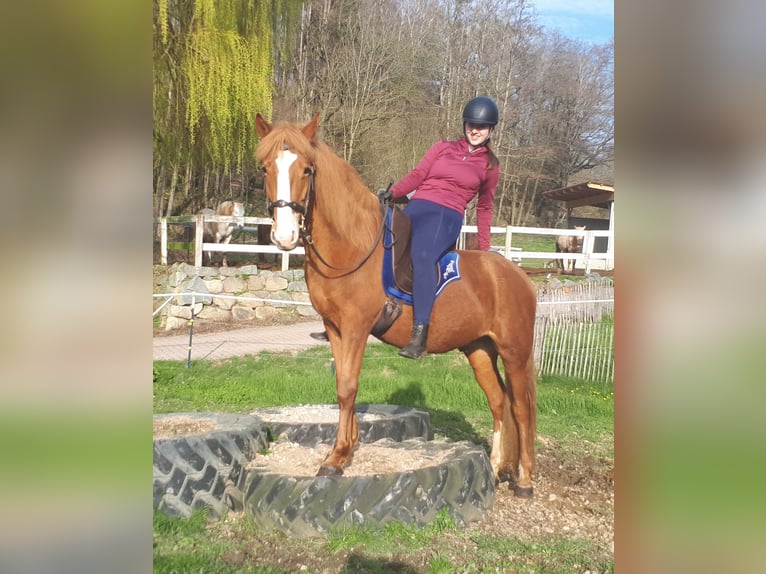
x,y
262,127
310,129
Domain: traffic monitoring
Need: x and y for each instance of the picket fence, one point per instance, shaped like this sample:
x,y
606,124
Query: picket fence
x,y
574,329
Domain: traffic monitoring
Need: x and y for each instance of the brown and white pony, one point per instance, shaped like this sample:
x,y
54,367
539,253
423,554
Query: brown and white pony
x,y
221,232
569,244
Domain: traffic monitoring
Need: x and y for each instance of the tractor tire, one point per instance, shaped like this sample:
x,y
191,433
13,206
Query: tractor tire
x,y
193,471
315,506
319,426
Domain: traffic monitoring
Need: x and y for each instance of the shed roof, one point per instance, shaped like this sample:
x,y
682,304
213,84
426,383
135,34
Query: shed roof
x,y
587,193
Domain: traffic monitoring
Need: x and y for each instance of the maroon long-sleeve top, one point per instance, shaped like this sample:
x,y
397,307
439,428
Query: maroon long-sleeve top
x,y
451,175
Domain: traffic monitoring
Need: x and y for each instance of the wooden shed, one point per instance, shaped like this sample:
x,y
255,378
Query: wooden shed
x,y
588,193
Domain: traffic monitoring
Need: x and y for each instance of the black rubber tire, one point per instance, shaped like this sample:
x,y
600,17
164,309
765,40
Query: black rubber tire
x,y
205,470
213,470
376,422
313,506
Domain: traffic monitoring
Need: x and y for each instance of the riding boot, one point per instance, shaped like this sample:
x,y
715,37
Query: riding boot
x,y
416,348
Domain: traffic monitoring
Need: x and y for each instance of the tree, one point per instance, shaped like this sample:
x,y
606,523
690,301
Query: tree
x,y
212,72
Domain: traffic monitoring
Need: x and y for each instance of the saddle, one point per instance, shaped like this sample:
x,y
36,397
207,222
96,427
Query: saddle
x,y
397,269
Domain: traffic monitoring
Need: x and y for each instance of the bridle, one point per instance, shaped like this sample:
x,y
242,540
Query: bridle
x,y
304,228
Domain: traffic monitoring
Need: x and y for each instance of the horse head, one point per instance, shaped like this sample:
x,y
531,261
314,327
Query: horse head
x,y
286,153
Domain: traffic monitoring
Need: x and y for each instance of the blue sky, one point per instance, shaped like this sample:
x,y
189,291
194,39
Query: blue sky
x,y
587,20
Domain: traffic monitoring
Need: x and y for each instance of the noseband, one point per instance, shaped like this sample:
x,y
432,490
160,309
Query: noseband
x,y
296,207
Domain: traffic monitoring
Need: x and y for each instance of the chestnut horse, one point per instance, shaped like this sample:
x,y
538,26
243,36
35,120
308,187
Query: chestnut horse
x,y
315,195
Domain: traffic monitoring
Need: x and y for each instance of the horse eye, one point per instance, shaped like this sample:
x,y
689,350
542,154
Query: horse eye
x,y
307,171
263,168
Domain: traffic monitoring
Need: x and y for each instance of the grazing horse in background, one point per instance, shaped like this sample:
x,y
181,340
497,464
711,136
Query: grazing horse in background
x,y
316,196
569,244
222,232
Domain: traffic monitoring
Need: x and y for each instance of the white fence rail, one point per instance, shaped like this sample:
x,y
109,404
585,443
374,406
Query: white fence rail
x,y
587,260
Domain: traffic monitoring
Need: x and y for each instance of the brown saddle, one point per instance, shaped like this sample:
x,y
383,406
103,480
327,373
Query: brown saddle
x,y
400,249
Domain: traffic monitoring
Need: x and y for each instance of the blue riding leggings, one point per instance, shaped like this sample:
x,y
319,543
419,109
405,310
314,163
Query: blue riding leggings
x,y
435,229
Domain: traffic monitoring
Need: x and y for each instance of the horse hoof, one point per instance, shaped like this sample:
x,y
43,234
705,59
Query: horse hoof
x,y
523,491
329,471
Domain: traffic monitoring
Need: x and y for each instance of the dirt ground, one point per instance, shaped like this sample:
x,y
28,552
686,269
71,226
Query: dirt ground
x,y
574,500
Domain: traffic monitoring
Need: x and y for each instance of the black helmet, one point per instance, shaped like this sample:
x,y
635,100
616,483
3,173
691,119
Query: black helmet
x,y
481,111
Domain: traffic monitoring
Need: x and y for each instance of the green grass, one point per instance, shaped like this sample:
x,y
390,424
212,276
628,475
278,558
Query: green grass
x,y
185,546
530,242
573,413
196,544
443,385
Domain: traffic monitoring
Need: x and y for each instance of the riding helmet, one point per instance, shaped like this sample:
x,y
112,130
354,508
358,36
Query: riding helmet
x,y
481,111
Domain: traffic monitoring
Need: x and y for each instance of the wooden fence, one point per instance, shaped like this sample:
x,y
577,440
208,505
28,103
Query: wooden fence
x,y
587,260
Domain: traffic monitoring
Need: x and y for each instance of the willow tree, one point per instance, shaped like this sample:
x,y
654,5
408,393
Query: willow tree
x,y
212,73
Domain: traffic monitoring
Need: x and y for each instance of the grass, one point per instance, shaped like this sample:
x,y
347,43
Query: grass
x,y
199,545
531,242
441,384
576,414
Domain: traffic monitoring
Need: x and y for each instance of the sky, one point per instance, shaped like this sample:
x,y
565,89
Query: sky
x,y
586,20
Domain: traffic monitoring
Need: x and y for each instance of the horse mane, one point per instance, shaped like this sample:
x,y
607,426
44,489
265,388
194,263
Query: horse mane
x,y
339,188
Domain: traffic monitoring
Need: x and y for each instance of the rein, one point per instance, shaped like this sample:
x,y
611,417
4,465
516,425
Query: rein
x,y
309,240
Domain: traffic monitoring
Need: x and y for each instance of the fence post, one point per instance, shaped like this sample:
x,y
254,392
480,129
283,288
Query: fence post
x,y
199,229
164,240
587,249
508,235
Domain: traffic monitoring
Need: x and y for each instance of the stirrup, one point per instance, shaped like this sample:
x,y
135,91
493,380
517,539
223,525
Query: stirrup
x,y
412,351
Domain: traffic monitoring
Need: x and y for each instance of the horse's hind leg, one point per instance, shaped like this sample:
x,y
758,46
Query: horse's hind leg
x,y
482,356
521,380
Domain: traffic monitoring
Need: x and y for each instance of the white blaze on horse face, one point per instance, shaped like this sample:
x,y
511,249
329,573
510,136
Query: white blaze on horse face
x,y
285,231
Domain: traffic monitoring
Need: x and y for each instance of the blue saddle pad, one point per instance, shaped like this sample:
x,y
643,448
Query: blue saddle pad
x,y
448,267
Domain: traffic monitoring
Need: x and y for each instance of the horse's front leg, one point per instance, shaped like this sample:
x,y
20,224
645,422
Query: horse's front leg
x,y
348,352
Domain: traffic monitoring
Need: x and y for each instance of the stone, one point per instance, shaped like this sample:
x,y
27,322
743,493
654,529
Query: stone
x,y
265,312
305,311
241,313
177,278
234,285
224,302
172,323
185,311
255,283
214,313
214,285
298,286
194,285
276,284
248,270
228,271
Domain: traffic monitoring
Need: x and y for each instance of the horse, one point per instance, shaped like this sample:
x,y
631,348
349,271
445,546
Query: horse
x,y
569,244
315,196
221,232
